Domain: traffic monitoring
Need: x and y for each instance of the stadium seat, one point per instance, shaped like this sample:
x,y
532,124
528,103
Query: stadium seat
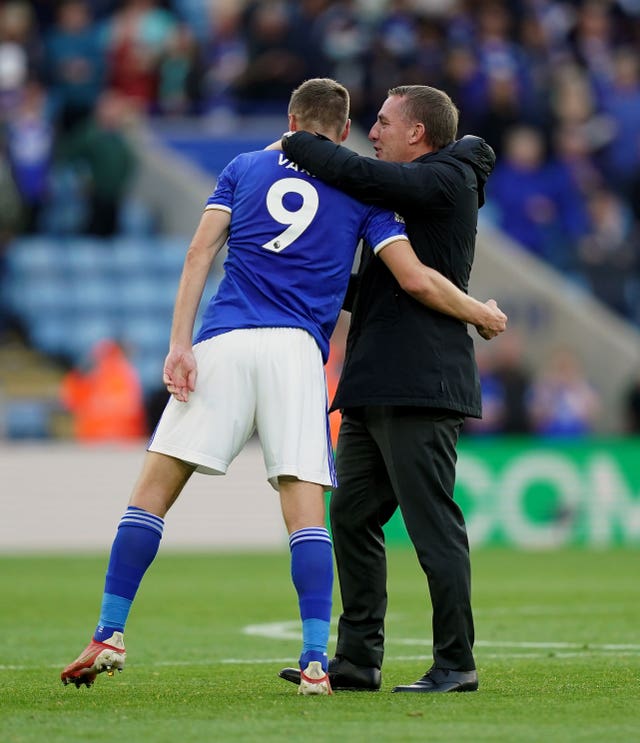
x,y
86,330
88,257
38,296
149,369
26,419
34,256
51,334
136,220
132,256
168,256
145,334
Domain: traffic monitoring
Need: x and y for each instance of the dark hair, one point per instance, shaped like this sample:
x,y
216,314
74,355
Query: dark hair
x,y
321,103
431,107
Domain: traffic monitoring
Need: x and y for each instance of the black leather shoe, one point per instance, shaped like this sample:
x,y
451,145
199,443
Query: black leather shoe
x,y
442,679
344,676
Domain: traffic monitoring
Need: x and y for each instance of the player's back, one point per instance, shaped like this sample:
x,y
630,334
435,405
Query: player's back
x,y
292,243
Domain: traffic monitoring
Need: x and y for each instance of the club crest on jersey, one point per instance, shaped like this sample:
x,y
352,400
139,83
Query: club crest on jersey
x,y
398,217
282,160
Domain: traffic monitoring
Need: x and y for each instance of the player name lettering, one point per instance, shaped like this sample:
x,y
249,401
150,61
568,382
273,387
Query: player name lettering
x,y
282,160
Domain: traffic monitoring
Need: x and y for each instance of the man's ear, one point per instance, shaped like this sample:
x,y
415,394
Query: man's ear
x,y
347,130
293,123
416,133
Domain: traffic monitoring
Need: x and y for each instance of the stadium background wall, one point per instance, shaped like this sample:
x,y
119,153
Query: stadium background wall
x,y
523,493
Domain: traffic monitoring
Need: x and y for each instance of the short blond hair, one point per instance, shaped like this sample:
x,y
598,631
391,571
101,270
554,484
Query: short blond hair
x,y
321,103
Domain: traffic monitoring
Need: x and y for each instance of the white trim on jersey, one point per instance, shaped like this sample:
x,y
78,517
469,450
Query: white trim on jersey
x,y
221,207
389,240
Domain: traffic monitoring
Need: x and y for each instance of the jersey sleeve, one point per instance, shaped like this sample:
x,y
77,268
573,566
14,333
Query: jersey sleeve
x,y
222,196
383,227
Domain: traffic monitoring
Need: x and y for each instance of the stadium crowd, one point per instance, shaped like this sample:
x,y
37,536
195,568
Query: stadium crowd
x,y
552,85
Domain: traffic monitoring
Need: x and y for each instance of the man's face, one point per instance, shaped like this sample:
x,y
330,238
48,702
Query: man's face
x,y
390,134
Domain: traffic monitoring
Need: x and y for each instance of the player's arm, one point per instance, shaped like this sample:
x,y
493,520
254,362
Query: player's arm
x,y
434,290
389,184
180,370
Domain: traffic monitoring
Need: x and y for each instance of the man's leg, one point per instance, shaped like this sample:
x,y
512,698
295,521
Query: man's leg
x,y
312,574
360,506
420,451
134,549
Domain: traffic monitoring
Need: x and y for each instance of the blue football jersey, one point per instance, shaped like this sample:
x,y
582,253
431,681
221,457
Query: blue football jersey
x,y
291,246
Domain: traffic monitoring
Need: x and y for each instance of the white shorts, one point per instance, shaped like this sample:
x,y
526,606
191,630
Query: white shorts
x,y
269,380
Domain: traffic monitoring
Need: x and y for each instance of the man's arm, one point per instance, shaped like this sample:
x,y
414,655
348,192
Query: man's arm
x,y
365,178
434,290
180,365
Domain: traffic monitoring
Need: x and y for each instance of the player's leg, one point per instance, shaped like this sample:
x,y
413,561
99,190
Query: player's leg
x,y
291,419
312,575
133,550
206,433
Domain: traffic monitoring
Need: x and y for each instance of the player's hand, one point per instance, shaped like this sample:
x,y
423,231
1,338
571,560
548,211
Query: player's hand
x,y
494,323
180,372
277,145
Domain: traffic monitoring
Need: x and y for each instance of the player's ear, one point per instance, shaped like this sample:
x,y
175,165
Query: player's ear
x,y
347,129
293,123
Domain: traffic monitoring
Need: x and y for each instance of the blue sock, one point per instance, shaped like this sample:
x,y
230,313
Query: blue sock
x,y
312,574
134,548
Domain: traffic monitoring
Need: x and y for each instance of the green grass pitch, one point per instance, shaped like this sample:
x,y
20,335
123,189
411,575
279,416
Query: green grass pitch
x,y
558,653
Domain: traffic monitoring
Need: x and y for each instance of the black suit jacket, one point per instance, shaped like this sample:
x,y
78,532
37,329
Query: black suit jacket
x,y
400,352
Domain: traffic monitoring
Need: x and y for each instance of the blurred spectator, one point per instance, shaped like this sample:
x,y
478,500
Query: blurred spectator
x,y
592,37
11,219
514,378
180,74
610,252
30,141
463,81
306,26
276,61
225,58
573,148
106,400
499,54
345,42
493,402
562,401
20,57
506,383
621,104
75,62
138,33
503,110
99,150
542,31
538,204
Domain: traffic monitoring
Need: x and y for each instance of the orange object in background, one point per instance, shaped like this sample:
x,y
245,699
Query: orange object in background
x,y
333,369
335,418
107,402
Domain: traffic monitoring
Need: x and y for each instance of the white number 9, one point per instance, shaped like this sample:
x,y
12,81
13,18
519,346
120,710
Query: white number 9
x,y
298,220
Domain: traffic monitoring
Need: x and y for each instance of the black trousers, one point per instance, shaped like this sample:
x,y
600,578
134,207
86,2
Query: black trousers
x,y
389,457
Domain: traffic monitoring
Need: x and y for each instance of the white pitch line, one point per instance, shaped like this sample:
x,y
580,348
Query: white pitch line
x,y
591,651
290,630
